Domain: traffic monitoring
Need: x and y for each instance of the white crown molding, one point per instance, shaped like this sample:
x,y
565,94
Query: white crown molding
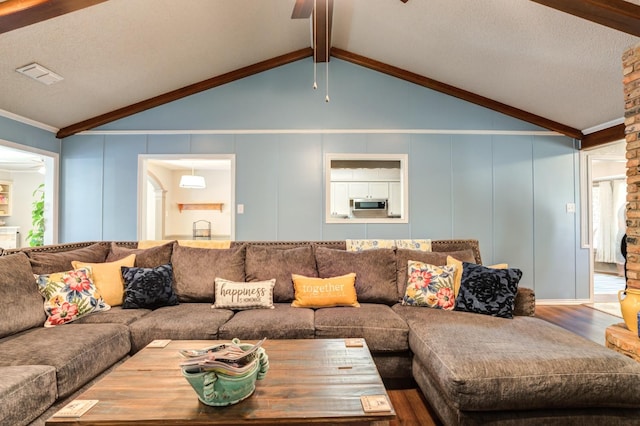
x,y
30,122
603,126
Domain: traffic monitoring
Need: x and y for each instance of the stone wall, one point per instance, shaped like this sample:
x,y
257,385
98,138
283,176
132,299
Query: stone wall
x,y
631,80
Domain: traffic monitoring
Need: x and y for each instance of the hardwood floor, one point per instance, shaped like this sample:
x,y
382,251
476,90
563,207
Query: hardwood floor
x,y
579,319
411,407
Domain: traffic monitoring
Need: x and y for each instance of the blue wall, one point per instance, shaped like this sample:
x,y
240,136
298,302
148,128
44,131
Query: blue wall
x,y
24,134
507,190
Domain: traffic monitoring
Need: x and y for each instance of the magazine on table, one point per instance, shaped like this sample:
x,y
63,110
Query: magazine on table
x,y
229,358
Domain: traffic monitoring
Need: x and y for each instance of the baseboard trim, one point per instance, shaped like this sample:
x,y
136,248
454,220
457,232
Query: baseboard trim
x,y
562,301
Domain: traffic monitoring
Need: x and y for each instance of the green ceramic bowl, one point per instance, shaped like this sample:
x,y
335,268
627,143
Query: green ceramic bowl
x,y
217,389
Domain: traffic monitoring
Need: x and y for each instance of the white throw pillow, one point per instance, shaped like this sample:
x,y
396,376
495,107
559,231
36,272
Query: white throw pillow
x,y
241,295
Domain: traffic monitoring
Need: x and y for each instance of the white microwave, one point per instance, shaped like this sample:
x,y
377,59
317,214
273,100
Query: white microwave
x,y
369,204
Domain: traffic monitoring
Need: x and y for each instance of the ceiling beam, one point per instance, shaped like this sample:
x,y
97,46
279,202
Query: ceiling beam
x,y
604,136
322,24
183,92
302,8
322,33
16,14
456,92
617,14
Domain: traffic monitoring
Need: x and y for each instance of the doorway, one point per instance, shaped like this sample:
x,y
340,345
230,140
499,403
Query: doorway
x,y
168,211
27,168
606,192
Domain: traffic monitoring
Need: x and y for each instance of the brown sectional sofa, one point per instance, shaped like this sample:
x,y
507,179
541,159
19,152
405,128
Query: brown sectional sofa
x,y
472,368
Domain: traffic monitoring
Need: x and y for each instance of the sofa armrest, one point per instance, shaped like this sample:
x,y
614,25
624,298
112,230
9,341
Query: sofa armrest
x,y
525,304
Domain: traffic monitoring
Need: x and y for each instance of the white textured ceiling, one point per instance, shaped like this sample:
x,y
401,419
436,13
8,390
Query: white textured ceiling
x,y
123,51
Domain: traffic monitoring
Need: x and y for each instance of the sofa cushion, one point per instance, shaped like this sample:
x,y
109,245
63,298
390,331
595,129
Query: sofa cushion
x,y
375,272
429,286
383,329
265,263
107,277
145,258
325,292
242,295
188,321
282,322
26,391
488,291
79,352
49,263
20,300
147,244
433,258
69,295
195,269
115,315
148,288
488,363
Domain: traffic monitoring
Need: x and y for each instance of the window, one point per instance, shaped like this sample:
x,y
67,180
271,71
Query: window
x,y
366,188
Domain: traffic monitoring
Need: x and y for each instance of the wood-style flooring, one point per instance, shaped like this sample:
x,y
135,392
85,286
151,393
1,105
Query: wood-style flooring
x,y
579,319
411,407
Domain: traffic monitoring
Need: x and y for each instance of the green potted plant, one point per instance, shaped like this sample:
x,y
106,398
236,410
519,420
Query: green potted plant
x,y
35,237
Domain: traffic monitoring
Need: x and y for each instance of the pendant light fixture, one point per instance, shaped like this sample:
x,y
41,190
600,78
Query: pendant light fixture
x,y
192,181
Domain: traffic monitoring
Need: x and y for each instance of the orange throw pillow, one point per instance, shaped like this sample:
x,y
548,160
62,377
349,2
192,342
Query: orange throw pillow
x,y
107,277
324,292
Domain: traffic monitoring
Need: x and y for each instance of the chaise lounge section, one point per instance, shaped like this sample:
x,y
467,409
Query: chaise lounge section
x,y
472,368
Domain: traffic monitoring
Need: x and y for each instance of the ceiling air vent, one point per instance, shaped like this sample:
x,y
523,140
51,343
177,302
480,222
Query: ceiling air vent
x,y
40,73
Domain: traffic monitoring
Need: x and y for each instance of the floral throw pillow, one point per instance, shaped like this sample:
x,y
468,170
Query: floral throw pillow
x,y
148,288
362,245
69,295
429,285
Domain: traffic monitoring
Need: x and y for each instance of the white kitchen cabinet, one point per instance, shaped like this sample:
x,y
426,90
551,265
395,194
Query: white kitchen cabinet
x,y
379,190
341,174
6,198
389,174
9,237
340,199
395,199
371,190
375,175
358,190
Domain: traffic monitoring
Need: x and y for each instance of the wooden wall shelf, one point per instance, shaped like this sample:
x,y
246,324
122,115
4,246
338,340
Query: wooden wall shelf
x,y
200,206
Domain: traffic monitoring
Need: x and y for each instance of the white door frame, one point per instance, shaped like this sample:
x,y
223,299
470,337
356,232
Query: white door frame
x,y
142,187
51,187
586,211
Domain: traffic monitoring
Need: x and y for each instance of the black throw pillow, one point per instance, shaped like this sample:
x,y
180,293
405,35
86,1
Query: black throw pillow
x,y
148,288
488,291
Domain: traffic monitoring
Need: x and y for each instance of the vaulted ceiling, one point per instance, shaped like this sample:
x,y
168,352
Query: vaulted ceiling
x,y
535,60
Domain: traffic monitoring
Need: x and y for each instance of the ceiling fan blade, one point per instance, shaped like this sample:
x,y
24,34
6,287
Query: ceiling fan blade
x,y
302,9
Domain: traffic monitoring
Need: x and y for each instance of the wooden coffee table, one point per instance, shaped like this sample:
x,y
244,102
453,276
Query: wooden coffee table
x,y
309,381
